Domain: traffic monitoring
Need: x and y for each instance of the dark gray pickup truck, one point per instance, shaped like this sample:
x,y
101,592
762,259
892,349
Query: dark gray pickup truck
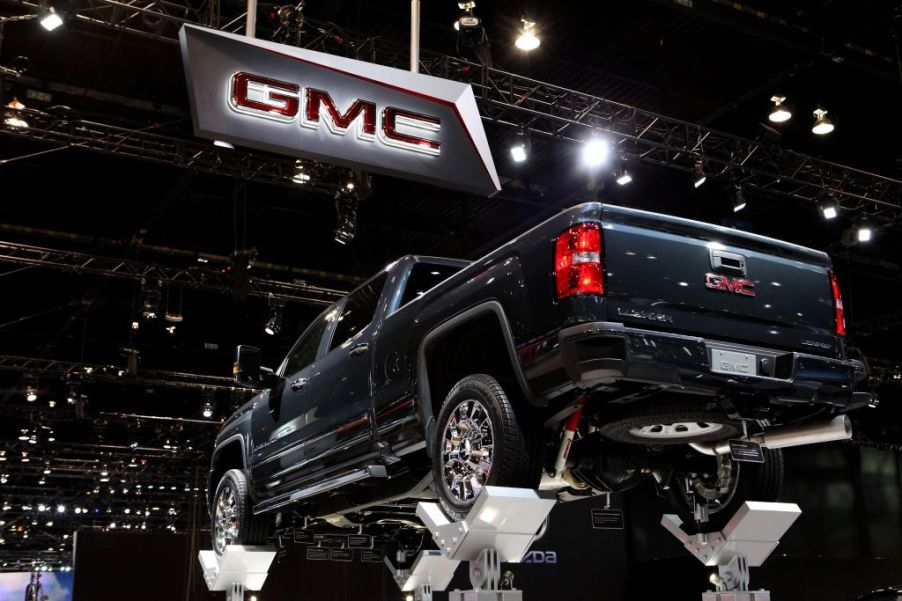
x,y
599,349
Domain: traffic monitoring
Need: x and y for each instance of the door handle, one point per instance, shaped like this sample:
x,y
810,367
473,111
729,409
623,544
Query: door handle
x,y
299,383
358,349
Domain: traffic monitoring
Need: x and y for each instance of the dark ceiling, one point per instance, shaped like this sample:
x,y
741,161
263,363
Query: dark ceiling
x,y
711,62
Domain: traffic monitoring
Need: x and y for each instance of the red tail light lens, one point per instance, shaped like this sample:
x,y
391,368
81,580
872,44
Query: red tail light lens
x,y
577,261
837,306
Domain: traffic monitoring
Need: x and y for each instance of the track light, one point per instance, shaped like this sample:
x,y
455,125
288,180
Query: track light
x,y
595,152
527,40
779,114
822,126
15,119
738,199
829,208
698,173
274,323
50,19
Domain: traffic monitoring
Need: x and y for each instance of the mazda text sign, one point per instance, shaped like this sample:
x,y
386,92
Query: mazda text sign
x,y
333,109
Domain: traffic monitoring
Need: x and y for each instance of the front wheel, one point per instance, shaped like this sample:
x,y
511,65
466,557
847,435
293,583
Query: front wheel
x,y
482,440
724,485
234,522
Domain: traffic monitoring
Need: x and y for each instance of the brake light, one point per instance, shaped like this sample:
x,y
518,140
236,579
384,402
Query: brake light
x,y
837,306
577,261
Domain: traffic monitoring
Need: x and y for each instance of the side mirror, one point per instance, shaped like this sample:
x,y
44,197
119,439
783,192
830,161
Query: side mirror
x,y
246,369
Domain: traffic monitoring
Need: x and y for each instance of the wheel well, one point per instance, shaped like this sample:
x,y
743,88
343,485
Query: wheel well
x,y
230,456
476,346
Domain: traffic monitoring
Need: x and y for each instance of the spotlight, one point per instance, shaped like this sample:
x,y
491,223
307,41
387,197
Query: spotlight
x,y
865,232
527,40
209,398
520,147
223,144
346,207
170,330
208,410
15,119
738,199
274,323
624,177
150,303
50,19
595,152
829,208
822,126
698,173
779,114
31,394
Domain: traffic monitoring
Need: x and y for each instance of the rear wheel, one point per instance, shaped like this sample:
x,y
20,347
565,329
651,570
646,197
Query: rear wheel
x,y
481,440
234,522
723,485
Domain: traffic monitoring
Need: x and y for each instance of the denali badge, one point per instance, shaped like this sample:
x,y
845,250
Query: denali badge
x,y
728,284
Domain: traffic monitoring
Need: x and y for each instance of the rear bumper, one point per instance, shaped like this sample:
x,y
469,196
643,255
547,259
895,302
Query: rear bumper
x,y
596,354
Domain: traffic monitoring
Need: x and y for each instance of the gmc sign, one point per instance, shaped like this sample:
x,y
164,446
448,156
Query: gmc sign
x,y
329,108
283,101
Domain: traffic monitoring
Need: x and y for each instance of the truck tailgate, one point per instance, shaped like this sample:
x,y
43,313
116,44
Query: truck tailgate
x,y
722,284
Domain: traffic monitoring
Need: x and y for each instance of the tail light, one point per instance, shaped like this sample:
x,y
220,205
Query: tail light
x,y
837,306
577,261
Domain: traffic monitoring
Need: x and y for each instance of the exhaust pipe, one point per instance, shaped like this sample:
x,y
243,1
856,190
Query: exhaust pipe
x,y
839,428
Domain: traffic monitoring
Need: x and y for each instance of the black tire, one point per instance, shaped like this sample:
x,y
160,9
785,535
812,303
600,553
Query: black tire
x,y
516,444
755,482
703,422
248,529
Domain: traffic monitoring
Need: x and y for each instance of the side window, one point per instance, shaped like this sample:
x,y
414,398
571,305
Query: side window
x,y
358,311
304,351
424,276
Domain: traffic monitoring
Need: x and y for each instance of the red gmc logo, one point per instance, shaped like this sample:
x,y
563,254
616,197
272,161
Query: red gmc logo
x,y
728,284
283,101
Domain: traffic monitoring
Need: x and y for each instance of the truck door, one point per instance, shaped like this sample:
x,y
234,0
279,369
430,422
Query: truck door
x,y
338,424
279,420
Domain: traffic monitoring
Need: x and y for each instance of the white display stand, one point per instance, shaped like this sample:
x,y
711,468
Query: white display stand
x,y
239,568
501,526
746,541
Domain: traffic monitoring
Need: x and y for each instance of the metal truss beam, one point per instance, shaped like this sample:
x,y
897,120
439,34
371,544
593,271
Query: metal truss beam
x,y
198,277
114,374
556,112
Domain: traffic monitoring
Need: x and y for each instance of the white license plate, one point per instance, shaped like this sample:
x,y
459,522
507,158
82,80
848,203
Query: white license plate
x,y
735,364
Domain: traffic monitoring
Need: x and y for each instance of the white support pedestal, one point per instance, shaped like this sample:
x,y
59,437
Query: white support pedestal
x,y
238,569
501,526
746,541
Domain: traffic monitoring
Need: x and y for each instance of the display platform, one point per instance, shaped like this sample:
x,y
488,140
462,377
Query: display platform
x,y
239,568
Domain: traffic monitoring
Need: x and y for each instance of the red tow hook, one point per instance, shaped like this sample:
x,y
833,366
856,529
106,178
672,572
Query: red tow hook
x,y
569,433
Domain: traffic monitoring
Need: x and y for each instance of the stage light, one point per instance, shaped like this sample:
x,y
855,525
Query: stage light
x,y
274,323
829,208
31,394
865,232
739,202
170,330
595,152
15,119
61,509
822,126
779,114
150,303
624,177
518,152
527,40
208,410
50,19
698,173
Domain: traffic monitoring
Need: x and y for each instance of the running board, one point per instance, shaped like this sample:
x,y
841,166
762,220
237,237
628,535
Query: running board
x,y
320,487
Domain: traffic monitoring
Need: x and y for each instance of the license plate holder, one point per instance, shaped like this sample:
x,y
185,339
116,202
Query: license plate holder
x,y
733,363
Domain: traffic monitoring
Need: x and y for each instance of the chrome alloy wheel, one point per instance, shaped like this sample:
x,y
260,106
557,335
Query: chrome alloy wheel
x,y
225,520
675,430
467,450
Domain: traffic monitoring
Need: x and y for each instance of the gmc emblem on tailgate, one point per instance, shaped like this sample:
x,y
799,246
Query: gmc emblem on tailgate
x,y
728,284
285,101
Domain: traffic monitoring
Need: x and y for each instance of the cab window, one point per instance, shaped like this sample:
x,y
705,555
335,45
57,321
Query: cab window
x,y
358,311
424,276
304,351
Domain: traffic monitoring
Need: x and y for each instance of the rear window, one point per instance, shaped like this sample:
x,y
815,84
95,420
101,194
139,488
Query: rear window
x,y
424,276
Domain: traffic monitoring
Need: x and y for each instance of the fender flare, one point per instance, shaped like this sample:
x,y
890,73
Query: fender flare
x,y
427,416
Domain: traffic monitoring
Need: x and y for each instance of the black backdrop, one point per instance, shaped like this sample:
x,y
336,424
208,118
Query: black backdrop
x,y
847,542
